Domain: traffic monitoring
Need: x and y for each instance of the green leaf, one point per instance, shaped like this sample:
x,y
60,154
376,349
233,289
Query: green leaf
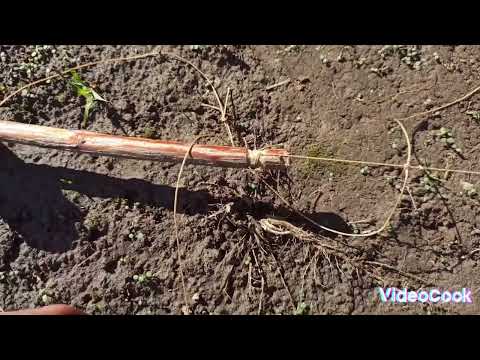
x,y
90,95
474,114
302,309
75,77
96,96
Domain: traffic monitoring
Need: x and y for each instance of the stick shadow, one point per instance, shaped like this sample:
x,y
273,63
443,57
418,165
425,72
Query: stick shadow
x,y
33,204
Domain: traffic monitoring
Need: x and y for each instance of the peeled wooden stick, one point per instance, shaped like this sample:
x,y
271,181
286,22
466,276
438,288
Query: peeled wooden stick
x,y
140,148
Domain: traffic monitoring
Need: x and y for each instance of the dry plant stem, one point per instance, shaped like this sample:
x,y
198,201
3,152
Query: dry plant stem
x,y
443,107
261,298
138,148
211,107
177,240
284,82
224,119
412,199
399,271
371,163
390,215
279,269
272,226
405,91
221,106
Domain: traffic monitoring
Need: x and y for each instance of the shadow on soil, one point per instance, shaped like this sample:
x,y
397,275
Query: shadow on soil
x,y
34,206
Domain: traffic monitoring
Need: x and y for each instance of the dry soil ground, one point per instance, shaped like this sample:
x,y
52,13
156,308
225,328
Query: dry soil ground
x,y
98,232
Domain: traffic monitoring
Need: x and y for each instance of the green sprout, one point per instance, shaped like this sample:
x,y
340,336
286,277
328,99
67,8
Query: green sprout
x,y
302,309
448,140
409,55
90,95
355,229
391,230
430,183
469,189
45,297
475,115
143,279
149,133
365,171
390,179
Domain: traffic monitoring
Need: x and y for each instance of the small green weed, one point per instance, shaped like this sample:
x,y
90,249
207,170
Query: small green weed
x,y
90,95
430,183
365,171
312,167
46,297
143,279
149,133
469,189
409,55
475,115
446,137
302,309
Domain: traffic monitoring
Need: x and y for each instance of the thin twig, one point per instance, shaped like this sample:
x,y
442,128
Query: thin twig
x,y
443,107
372,163
211,107
390,98
182,277
261,297
284,82
223,119
279,269
220,104
399,271
411,198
